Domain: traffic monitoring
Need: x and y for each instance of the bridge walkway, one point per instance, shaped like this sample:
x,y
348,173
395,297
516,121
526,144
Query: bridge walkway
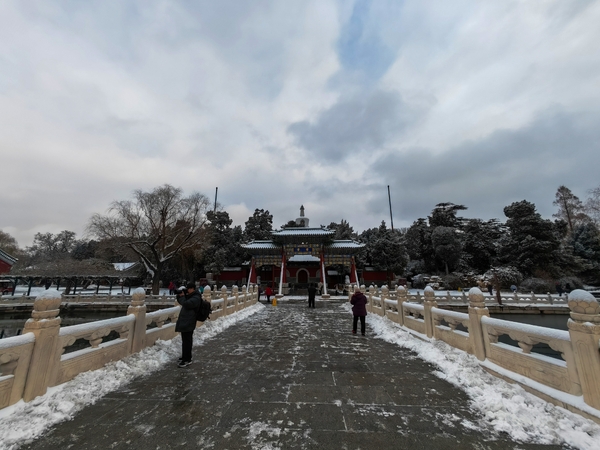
x,y
287,377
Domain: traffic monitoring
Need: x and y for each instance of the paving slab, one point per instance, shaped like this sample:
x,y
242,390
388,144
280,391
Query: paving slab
x,y
288,377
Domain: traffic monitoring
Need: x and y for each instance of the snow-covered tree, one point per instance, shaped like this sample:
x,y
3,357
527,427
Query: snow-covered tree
x,y
156,225
343,230
446,246
531,242
418,244
480,243
444,215
259,225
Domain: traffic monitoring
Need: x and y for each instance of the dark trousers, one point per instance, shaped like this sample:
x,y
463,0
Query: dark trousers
x,y
355,323
186,345
311,302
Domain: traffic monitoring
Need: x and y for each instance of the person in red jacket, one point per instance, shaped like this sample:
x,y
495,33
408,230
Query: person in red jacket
x,y
268,293
359,310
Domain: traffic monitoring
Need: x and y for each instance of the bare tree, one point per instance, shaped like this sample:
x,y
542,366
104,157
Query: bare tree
x,y
156,225
570,208
592,204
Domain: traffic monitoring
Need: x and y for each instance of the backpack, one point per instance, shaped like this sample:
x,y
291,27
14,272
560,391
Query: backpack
x,y
204,311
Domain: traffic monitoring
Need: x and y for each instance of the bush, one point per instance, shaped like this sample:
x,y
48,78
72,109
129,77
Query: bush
x,y
574,283
452,282
419,281
536,285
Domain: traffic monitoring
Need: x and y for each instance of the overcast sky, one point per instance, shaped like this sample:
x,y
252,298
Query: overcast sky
x,y
283,103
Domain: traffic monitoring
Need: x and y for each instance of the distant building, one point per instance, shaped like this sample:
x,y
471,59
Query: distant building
x,y
299,255
6,262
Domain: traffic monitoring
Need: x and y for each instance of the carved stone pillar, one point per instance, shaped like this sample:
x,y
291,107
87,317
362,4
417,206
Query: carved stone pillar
x,y
584,328
224,297
427,305
236,294
385,292
207,294
477,309
45,357
372,291
401,298
138,309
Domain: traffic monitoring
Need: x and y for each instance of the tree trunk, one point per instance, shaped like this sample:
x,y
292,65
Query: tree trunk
x,y
446,264
156,280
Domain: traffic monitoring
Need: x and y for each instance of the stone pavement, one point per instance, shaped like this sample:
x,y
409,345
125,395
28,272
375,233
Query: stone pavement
x,y
287,377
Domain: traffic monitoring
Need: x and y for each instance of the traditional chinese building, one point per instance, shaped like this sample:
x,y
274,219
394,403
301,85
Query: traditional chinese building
x,y
6,262
300,255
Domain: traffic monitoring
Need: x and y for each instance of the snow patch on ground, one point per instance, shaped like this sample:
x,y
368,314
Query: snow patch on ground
x,y
507,408
23,422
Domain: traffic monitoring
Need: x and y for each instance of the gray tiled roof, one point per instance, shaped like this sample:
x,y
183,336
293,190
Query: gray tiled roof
x,y
346,244
300,231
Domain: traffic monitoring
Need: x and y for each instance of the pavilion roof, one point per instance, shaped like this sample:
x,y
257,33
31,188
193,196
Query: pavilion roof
x,y
346,244
261,245
303,231
8,259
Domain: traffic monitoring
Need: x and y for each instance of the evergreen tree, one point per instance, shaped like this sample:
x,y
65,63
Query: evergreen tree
x,y
387,251
531,243
418,243
480,243
446,246
570,208
223,242
343,230
444,215
259,226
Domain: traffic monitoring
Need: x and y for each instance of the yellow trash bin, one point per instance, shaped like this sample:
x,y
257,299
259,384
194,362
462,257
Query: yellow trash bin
x,y
274,302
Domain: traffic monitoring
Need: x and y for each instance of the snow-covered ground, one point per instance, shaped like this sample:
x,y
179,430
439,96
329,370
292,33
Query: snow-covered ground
x,y
23,422
506,407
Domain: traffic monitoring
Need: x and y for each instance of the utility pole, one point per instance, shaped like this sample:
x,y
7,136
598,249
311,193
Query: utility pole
x,y
217,191
390,201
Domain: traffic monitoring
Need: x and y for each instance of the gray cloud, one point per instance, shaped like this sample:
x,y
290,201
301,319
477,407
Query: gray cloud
x,y
359,123
506,166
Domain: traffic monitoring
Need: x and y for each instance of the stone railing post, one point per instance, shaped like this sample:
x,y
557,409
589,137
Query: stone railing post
x,y
584,329
372,290
427,305
401,298
244,295
418,298
45,357
138,309
477,309
385,292
550,299
224,297
236,297
207,294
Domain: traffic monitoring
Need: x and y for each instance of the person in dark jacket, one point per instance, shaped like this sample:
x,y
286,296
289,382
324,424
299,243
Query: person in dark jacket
x,y
312,293
359,310
190,302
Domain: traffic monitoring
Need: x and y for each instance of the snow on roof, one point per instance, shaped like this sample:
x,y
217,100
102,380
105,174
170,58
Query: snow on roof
x,y
265,245
8,259
346,244
124,266
302,231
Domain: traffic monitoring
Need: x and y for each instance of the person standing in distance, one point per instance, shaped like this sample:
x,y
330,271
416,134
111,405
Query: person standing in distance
x,y
359,310
312,292
190,302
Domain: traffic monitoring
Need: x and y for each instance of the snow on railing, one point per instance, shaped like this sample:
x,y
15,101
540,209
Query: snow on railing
x,y
34,361
571,382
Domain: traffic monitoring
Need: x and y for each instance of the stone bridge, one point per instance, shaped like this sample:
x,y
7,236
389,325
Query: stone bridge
x,y
285,377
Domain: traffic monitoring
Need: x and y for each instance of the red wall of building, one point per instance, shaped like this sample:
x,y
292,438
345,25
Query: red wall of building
x,y
4,267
